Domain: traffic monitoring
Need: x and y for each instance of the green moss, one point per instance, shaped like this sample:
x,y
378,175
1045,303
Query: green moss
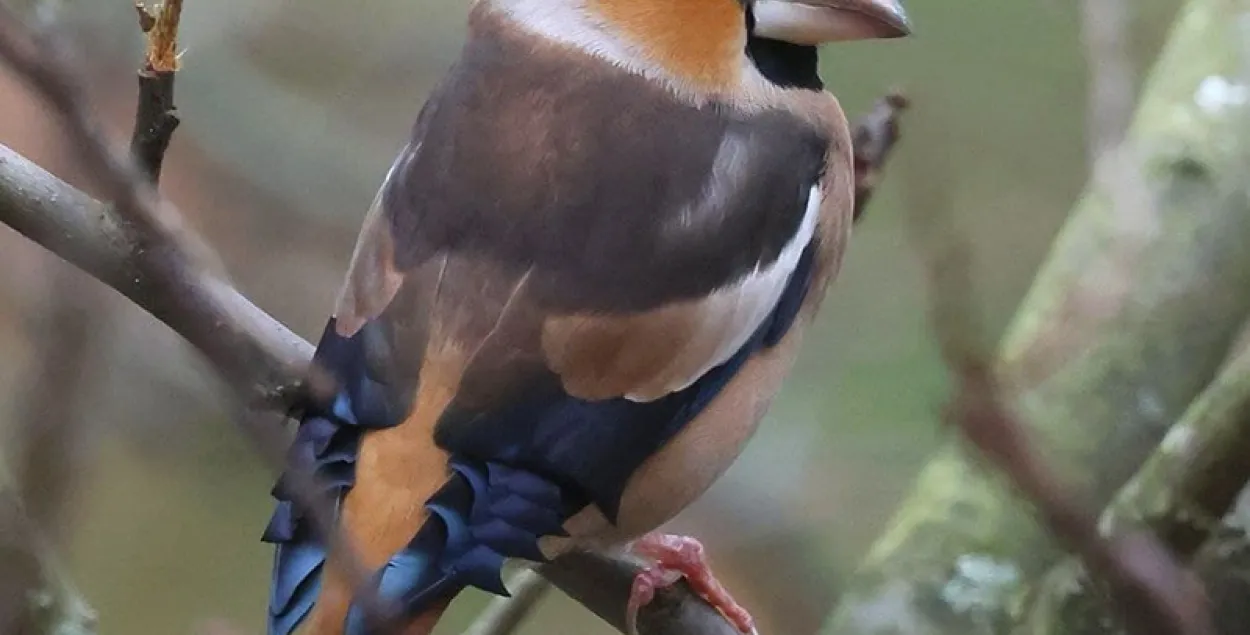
x,y
1129,318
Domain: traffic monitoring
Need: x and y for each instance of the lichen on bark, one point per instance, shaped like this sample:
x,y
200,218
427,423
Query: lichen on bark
x,y
1127,321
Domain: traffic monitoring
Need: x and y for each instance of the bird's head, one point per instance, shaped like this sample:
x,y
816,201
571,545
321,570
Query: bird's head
x,y
701,42
815,22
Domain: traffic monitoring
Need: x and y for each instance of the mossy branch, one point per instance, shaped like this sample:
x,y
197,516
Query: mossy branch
x,y
1182,494
1128,321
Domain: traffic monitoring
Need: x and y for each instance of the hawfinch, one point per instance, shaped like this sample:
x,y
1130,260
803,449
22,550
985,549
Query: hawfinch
x,y
578,288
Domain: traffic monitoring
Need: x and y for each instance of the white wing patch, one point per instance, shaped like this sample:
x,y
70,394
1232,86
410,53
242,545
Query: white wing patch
x,y
733,313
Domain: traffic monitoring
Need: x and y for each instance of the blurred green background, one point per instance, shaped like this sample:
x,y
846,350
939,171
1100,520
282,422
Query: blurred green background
x,y
293,109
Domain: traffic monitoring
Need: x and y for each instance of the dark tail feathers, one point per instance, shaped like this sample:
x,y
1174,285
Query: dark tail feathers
x,y
485,514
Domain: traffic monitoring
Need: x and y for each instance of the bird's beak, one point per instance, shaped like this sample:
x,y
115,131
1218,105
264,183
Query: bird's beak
x,y
815,22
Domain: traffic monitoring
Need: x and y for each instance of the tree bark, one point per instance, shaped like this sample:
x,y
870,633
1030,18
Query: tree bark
x,y
1183,494
1128,320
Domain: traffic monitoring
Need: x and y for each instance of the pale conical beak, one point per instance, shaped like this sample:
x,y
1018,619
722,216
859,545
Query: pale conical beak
x,y
888,15
814,22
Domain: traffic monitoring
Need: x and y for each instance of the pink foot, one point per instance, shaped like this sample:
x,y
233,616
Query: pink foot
x,y
677,557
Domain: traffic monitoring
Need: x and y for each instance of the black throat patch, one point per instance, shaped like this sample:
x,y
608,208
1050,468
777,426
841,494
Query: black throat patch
x,y
782,63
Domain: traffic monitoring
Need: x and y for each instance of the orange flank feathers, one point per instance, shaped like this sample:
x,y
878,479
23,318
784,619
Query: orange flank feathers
x,y
398,469
699,41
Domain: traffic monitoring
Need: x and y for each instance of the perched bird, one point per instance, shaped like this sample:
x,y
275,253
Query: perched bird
x,y
573,297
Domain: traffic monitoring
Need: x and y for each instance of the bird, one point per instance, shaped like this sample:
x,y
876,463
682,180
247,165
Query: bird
x,y
578,288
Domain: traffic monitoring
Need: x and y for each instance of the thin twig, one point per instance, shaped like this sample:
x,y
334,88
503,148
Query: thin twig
x,y
65,329
42,60
156,110
504,614
163,251
874,136
162,31
156,116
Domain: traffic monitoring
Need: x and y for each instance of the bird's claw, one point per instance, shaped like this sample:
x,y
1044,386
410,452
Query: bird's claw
x,y
677,557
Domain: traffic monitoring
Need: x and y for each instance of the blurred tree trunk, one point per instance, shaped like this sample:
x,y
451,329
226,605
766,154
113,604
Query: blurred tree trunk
x,y
35,596
1129,319
1185,493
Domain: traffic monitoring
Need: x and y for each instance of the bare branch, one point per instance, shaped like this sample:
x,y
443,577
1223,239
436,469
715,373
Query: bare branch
x,y
64,328
43,61
162,31
156,117
158,255
1193,479
873,138
505,614
210,314
602,584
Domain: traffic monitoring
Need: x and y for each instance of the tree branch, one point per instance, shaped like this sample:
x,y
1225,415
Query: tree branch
x,y
1182,494
138,245
504,614
1151,591
602,584
1149,588
156,117
1128,320
163,263
873,140
1195,476
50,424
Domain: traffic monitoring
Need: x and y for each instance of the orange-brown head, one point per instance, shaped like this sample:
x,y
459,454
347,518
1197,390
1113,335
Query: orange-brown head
x,y
701,41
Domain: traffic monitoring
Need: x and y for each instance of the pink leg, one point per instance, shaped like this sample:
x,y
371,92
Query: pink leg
x,y
677,557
